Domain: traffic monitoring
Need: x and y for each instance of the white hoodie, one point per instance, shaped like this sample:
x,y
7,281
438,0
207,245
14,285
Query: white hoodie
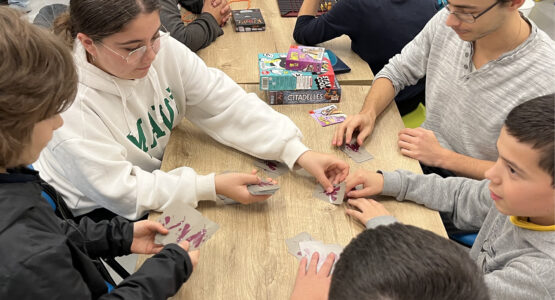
x,y
109,151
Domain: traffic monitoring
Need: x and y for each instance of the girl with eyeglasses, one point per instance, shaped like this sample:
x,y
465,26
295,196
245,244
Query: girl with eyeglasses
x,y
135,85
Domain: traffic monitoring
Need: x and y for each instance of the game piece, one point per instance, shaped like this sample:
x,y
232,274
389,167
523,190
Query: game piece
x,y
328,115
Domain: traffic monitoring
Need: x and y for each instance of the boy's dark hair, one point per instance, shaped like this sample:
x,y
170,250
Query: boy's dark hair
x,y
37,81
100,18
532,123
405,262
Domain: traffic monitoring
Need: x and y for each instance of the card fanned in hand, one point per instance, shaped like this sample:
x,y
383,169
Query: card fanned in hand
x,y
185,224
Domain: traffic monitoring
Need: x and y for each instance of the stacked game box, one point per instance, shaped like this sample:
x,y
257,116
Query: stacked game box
x,y
303,58
284,86
248,20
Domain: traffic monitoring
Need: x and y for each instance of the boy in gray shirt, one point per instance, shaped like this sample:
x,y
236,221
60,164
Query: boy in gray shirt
x,y
514,207
481,58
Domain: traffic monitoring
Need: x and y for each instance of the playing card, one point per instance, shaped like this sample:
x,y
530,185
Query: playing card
x,y
263,188
227,200
335,197
328,115
293,244
308,248
303,172
354,151
271,166
186,223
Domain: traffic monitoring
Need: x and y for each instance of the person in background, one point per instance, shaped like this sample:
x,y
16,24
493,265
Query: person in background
x,y
378,30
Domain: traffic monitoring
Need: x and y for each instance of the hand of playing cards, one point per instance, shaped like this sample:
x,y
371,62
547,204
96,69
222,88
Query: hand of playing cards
x,y
304,245
185,224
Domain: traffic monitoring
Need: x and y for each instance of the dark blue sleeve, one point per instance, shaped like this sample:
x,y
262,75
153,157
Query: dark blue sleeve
x,y
341,19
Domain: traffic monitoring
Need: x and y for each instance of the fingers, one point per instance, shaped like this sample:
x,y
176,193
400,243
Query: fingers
x,y
302,266
184,245
360,203
249,179
363,134
323,180
405,145
194,256
353,213
313,264
349,134
367,191
157,227
408,153
326,267
409,132
339,132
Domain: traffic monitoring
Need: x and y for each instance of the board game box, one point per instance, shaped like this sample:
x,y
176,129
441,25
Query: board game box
x,y
248,20
275,77
304,58
330,95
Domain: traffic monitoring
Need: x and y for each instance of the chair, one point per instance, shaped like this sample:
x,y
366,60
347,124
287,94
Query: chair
x,y
416,117
466,239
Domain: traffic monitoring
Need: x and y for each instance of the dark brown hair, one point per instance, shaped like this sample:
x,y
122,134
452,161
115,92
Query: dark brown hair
x,y
405,262
532,123
100,18
37,81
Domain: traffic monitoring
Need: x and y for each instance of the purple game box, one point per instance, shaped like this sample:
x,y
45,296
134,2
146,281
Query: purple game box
x,y
303,58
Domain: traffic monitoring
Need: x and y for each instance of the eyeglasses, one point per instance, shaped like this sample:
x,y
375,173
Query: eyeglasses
x,y
465,17
135,56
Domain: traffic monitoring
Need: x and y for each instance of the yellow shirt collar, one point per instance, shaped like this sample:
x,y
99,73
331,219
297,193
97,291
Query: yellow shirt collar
x,y
522,222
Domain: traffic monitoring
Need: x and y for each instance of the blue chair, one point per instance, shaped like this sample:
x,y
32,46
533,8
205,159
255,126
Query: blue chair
x,y
466,239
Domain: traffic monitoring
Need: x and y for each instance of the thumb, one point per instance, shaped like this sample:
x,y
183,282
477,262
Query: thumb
x,y
157,227
250,179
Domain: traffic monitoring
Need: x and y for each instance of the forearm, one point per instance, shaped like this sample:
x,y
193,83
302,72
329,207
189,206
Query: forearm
x,y
465,166
309,7
380,95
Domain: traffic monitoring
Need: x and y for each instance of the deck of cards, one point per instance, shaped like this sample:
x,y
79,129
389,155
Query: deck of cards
x,y
272,167
355,151
185,224
335,197
303,245
263,188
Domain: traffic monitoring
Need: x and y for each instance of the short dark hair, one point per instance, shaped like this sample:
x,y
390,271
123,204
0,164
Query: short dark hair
x,y
37,81
100,18
532,123
405,262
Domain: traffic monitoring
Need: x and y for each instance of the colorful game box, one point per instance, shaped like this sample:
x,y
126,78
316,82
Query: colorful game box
x,y
328,115
331,95
304,58
275,77
248,20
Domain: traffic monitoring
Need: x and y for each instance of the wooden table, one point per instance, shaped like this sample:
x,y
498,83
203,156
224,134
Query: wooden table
x,y
247,258
236,53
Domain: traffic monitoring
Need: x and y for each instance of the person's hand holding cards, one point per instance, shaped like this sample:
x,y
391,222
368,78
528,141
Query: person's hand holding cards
x,y
326,168
361,122
234,186
372,184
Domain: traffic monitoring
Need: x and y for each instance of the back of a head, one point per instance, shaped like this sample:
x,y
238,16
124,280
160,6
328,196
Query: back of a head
x,y
404,262
532,123
100,18
37,80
